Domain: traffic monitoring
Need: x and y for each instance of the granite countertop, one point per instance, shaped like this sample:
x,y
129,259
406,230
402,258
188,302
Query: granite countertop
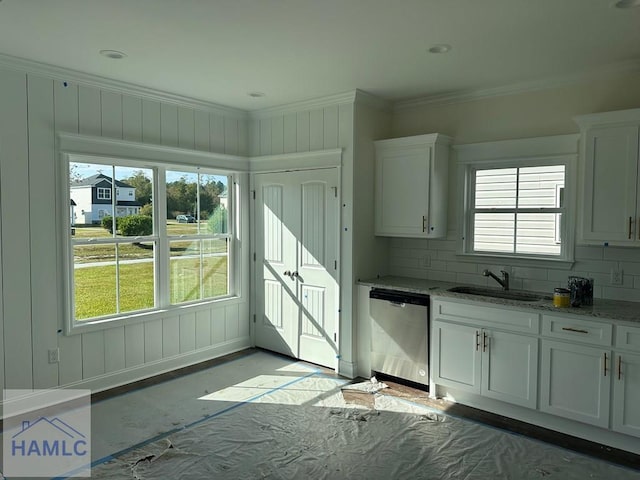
x,y
601,308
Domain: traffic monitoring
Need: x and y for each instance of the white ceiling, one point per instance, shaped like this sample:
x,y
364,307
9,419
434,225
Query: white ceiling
x,y
292,50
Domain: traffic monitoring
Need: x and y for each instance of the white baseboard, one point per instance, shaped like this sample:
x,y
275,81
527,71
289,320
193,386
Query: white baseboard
x,y
141,372
348,369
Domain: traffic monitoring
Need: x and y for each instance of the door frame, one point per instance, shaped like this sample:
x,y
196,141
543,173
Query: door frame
x,y
291,162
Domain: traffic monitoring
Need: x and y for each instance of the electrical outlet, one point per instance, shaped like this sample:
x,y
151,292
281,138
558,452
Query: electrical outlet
x,y
425,261
54,355
616,277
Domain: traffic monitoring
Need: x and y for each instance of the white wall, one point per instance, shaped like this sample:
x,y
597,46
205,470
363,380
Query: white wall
x,y
34,108
370,253
532,114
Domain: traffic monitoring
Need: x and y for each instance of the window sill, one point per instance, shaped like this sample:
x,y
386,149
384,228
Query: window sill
x,y
148,316
559,263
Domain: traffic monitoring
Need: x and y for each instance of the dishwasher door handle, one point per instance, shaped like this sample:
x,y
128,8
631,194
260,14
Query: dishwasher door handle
x,y
398,304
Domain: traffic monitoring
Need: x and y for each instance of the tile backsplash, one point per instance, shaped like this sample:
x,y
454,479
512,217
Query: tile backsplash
x,y
437,260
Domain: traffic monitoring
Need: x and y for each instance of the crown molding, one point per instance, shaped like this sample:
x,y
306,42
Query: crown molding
x,y
631,66
75,76
312,104
373,101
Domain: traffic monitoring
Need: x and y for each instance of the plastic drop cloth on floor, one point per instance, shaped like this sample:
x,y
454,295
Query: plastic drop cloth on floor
x,y
306,430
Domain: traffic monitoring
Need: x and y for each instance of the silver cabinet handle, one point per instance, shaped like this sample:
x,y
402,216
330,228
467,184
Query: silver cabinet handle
x,y
605,364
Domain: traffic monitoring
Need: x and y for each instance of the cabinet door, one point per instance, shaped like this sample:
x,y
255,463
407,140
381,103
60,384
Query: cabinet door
x,y
456,356
510,368
402,191
626,394
610,184
575,382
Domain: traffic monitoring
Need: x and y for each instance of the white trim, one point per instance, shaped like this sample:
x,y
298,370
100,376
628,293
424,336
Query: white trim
x,y
558,149
151,369
312,104
296,161
75,76
535,147
611,119
461,96
84,145
370,100
118,152
347,369
415,140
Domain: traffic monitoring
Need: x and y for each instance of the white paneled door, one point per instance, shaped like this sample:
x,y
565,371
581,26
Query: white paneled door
x,y
297,238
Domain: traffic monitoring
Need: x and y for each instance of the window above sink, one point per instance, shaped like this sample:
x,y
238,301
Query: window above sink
x,y
517,200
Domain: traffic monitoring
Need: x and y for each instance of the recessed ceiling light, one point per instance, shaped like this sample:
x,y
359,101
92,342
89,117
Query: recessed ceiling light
x,y
440,48
627,3
114,54
256,94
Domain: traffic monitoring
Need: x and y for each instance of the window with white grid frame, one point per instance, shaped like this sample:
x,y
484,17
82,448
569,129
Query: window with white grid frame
x,y
516,210
143,259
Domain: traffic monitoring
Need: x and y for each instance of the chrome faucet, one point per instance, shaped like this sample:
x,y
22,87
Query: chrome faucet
x,y
504,281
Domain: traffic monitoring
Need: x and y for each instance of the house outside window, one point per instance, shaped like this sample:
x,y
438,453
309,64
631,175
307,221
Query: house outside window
x,y
134,266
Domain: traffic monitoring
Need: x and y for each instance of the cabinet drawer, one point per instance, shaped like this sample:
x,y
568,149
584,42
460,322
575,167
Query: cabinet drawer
x,y
577,330
628,337
479,315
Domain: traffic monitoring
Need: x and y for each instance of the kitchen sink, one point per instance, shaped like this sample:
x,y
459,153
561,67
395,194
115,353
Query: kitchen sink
x,y
506,294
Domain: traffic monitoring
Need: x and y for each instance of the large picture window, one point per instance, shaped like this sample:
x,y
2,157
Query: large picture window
x,y
145,237
516,210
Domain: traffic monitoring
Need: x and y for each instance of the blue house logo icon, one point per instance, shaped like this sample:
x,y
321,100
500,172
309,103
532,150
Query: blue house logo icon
x,y
46,437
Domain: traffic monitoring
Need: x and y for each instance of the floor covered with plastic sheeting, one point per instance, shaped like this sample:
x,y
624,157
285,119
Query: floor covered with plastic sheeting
x,y
265,416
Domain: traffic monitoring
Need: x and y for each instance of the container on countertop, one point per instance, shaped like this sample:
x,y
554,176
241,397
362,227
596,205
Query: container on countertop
x,y
561,297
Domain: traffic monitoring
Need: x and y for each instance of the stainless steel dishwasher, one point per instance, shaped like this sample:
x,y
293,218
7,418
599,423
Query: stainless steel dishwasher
x,y
400,334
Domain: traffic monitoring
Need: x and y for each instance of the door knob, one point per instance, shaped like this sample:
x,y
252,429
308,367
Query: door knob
x,y
288,273
294,275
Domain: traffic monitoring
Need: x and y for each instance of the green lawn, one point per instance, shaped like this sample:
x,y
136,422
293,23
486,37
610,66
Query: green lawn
x,y
95,286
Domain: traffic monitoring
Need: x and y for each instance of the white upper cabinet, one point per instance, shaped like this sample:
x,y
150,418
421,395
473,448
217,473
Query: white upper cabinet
x,y
610,178
411,186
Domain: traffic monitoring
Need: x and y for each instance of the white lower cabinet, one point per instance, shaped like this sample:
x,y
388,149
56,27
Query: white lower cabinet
x,y
575,382
495,364
626,394
584,369
456,356
510,368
